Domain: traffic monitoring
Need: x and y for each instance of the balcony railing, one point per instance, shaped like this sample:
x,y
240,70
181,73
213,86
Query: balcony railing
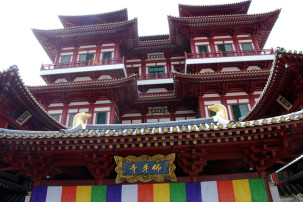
x,y
83,64
228,53
155,76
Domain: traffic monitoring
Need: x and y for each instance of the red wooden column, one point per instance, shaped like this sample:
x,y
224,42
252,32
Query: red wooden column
x,y
235,40
251,99
98,53
192,46
144,111
202,107
112,112
57,57
91,111
116,51
168,67
75,55
64,112
212,46
256,45
143,68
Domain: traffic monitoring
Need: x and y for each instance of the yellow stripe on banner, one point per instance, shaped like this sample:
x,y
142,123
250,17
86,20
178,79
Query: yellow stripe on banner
x,y
83,193
161,193
242,190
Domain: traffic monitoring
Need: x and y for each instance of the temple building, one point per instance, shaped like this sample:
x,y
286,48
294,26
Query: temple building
x,y
203,113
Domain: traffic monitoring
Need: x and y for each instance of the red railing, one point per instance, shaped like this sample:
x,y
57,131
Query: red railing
x,y
228,53
83,63
155,76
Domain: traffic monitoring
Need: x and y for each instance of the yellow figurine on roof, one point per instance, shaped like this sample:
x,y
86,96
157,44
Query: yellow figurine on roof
x,y
80,118
220,111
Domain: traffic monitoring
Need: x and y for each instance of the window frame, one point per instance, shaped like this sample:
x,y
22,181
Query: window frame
x,y
241,115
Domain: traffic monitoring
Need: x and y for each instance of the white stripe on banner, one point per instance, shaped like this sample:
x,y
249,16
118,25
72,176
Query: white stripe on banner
x,y
129,193
209,191
275,194
54,194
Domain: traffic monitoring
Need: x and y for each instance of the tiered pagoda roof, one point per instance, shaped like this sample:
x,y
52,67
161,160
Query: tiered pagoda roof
x,y
52,40
103,18
206,10
115,26
127,88
208,82
17,99
254,24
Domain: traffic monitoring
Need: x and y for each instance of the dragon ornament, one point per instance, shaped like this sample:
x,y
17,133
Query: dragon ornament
x,y
80,118
220,110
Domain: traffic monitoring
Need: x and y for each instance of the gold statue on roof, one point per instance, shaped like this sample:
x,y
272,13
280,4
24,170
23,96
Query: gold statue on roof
x,y
80,118
220,111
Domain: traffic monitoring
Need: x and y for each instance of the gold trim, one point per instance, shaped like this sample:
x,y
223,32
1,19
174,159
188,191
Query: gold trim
x,y
149,177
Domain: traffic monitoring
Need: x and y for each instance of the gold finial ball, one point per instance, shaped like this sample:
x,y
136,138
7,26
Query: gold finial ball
x,y
183,129
156,130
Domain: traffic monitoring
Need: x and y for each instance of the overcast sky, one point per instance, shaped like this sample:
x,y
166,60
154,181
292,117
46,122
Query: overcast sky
x,y
17,17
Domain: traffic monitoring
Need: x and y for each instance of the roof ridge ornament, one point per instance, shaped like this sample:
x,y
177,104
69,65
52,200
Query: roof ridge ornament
x,y
220,110
80,118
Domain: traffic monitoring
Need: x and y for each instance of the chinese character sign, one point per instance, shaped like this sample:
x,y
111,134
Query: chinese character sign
x,y
145,168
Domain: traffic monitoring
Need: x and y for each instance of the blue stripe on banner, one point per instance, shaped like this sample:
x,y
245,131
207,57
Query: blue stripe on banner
x,y
39,194
193,192
113,193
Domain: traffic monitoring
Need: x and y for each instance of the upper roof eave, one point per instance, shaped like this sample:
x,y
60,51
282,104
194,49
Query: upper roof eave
x,y
51,40
203,10
267,20
100,84
78,20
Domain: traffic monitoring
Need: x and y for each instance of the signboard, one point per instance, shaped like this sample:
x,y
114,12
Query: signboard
x,y
155,56
157,111
145,168
23,118
282,101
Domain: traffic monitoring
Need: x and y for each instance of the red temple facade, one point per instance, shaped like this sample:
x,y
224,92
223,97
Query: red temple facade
x,y
150,95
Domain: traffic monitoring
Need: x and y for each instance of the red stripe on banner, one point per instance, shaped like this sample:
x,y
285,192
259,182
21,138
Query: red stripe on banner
x,y
145,193
69,194
226,191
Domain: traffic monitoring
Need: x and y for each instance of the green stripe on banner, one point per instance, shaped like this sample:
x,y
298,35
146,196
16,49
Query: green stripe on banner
x,y
258,190
177,192
98,193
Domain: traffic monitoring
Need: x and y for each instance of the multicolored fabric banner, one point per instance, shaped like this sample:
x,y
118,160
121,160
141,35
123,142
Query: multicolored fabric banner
x,y
213,191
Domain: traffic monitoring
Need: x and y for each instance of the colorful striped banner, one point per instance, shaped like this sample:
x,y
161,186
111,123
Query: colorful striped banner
x,y
252,190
